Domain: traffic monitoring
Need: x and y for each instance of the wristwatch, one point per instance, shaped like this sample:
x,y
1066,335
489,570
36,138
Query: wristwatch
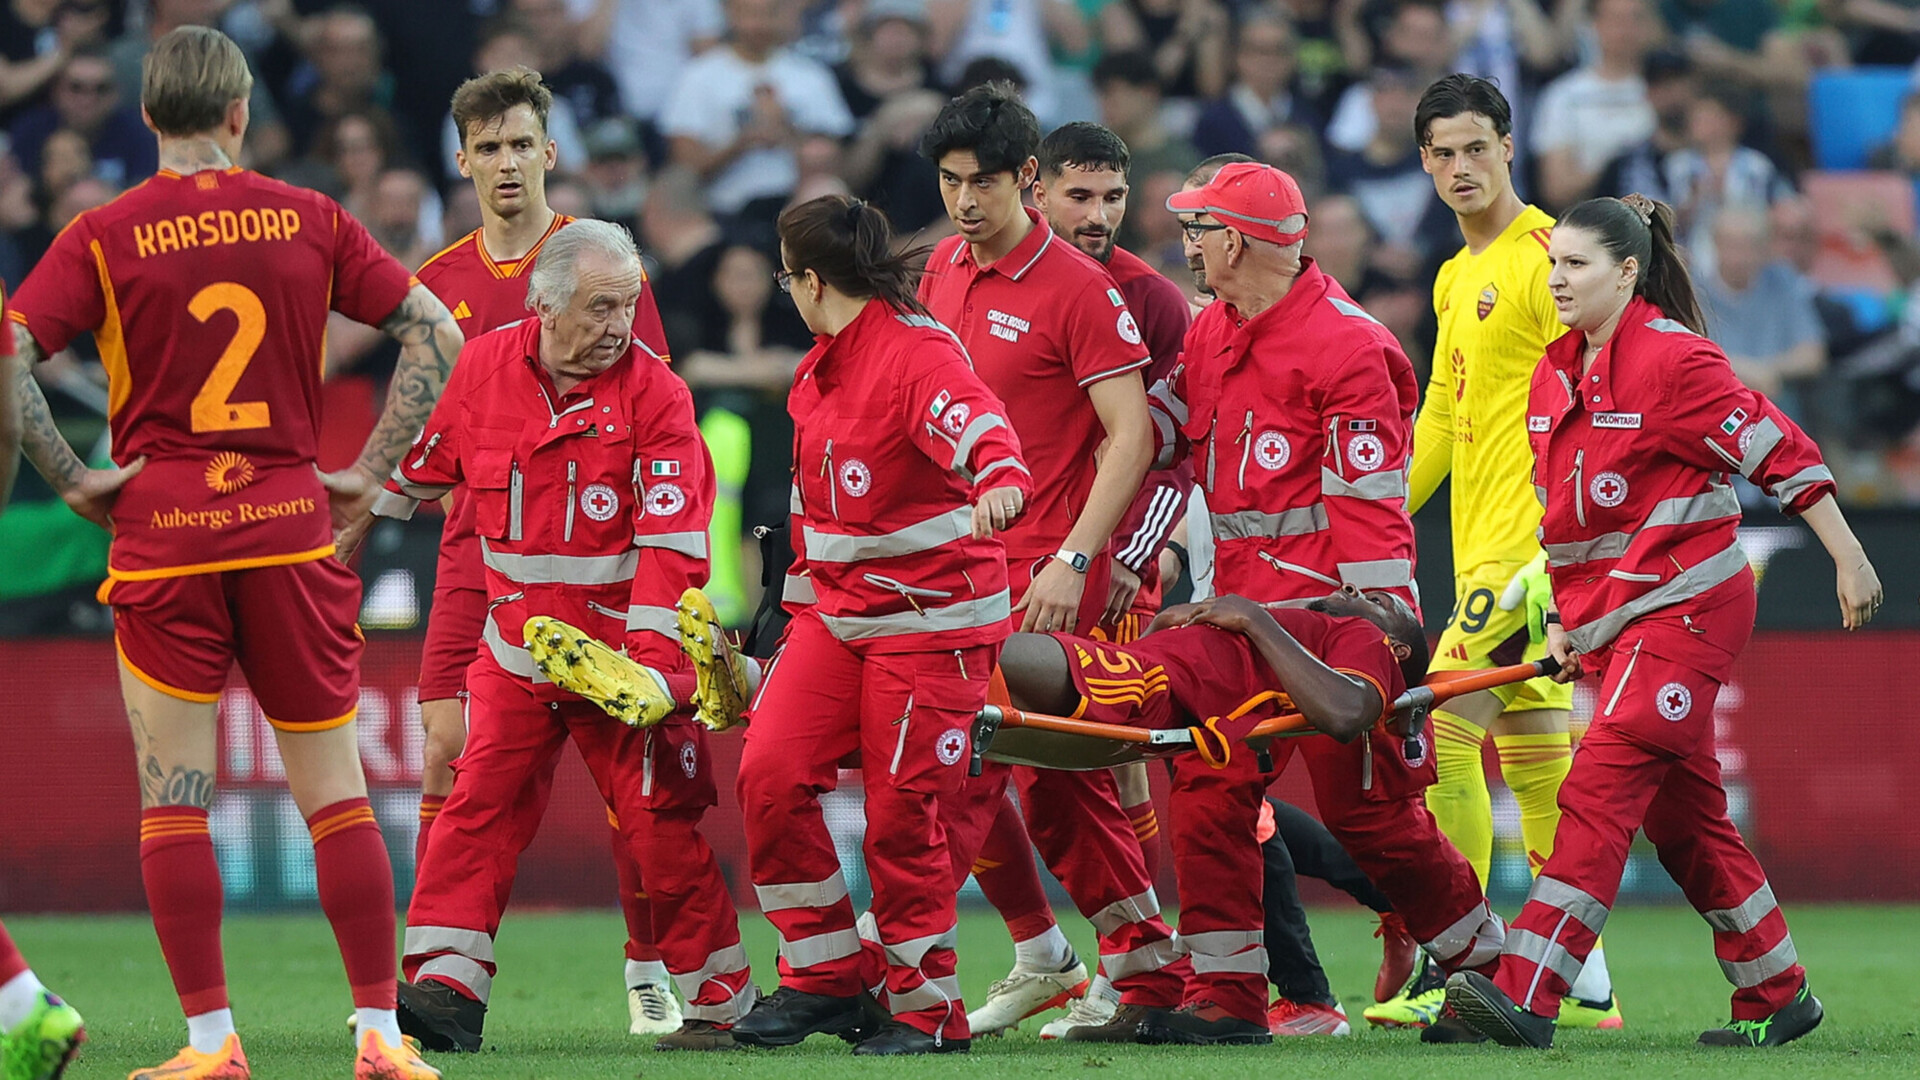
x,y
1076,560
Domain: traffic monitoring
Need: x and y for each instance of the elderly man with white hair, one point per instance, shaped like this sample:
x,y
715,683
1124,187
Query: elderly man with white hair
x,y
591,491
1761,310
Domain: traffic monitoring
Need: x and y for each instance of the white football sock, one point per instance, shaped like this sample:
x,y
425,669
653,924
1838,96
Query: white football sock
x,y
1594,984
18,996
646,973
1103,988
208,1031
384,1021
1044,952
754,672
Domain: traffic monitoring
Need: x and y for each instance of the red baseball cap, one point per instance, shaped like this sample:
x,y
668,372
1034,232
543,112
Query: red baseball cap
x,y
1250,196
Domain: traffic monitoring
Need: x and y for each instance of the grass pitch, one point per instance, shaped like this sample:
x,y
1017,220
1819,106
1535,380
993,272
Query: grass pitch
x,y
558,1008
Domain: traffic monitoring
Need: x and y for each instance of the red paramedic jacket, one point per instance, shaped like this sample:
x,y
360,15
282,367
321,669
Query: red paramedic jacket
x,y
591,506
1299,423
1631,461
894,439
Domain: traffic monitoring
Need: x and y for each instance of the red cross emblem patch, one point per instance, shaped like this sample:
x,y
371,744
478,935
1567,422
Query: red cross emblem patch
x,y
1609,489
665,500
599,502
1675,701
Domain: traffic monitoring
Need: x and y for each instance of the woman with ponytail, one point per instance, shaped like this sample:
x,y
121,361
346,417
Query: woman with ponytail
x,y
904,469
1636,421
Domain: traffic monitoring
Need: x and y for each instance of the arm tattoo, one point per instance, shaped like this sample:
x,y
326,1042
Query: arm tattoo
x,y
429,343
40,437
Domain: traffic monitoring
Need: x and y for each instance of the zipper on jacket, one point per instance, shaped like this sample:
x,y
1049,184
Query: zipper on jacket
x,y
1246,448
833,485
1580,487
426,450
1366,761
1332,449
515,519
962,661
573,472
1213,448
1291,568
912,593
507,599
646,766
900,747
607,611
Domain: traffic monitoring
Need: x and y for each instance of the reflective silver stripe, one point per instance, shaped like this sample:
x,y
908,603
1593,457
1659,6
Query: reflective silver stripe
x,y
1669,326
423,492
911,952
820,948
660,620
1134,909
1775,961
828,547
395,506
1152,956
728,1011
1252,524
1766,436
460,970
514,659
942,991
1744,916
1685,585
1789,489
793,500
798,589
691,544
1247,962
1013,463
1718,501
1351,309
1163,426
1458,938
1162,393
967,615
1391,484
1531,947
1540,493
562,569
1574,901
1218,942
728,961
801,894
1376,573
976,427
474,944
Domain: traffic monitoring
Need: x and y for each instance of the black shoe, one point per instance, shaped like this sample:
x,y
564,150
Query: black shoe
x,y
697,1035
442,1018
1450,1029
1800,1016
788,1016
902,1038
1201,1024
1123,1028
1484,1007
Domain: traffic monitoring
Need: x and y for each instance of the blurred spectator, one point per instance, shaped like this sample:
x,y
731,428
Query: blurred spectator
x,y
1760,310
398,215
1671,90
741,109
1885,31
682,243
37,37
342,73
1901,153
1589,116
16,214
1715,170
1264,94
62,207
646,43
888,57
505,44
585,83
268,142
1744,42
1331,47
86,100
64,161
755,343
889,86
616,173
1416,37
1188,40
1157,238
568,196
461,214
1341,242
1014,31
348,155
1130,104
1387,179
1503,40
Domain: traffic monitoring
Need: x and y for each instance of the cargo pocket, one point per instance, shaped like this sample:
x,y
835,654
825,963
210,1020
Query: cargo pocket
x,y
933,733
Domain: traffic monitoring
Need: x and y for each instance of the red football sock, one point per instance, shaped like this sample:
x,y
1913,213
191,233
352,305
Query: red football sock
x,y
11,962
1009,879
429,813
356,892
1146,828
183,891
633,897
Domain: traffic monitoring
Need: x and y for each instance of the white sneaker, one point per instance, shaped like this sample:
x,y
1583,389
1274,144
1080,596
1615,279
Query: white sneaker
x,y
1093,1009
652,1010
1025,992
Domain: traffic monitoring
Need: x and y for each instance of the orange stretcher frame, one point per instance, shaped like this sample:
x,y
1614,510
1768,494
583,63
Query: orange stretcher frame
x,y
1013,736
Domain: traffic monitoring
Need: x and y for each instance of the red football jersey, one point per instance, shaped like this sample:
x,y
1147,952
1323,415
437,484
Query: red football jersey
x,y
1041,324
208,296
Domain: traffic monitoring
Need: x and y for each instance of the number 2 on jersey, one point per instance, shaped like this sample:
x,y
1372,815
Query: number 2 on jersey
x,y
212,409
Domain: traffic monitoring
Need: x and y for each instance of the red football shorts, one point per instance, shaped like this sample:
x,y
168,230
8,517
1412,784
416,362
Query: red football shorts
x,y
291,629
459,611
1171,679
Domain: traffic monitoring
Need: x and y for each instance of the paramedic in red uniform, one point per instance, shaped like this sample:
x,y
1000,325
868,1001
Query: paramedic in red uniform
x,y
591,492
1053,338
1637,421
207,289
905,471
482,278
1296,407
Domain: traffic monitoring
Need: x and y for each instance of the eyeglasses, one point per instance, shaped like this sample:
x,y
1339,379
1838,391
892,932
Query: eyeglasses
x,y
74,86
1197,230
784,279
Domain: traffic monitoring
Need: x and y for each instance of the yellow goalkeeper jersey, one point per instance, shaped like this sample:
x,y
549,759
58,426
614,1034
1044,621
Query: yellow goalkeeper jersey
x,y
1496,318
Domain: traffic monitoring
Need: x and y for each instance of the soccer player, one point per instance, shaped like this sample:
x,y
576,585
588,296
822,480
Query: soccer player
x,y
482,277
1081,190
1496,318
207,289
1054,339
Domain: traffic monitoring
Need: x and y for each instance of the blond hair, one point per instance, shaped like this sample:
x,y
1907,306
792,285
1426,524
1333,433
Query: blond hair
x,y
485,98
190,78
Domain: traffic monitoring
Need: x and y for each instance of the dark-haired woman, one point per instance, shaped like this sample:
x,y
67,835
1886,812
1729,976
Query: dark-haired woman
x,y
904,468
1636,421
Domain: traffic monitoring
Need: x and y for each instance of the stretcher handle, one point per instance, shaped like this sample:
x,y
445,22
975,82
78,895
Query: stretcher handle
x,y
1443,686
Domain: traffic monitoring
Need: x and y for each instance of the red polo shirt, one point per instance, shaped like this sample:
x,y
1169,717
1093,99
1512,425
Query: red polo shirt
x,y
1040,324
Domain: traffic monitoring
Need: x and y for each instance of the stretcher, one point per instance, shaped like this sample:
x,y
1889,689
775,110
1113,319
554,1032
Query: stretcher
x,y
1013,736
